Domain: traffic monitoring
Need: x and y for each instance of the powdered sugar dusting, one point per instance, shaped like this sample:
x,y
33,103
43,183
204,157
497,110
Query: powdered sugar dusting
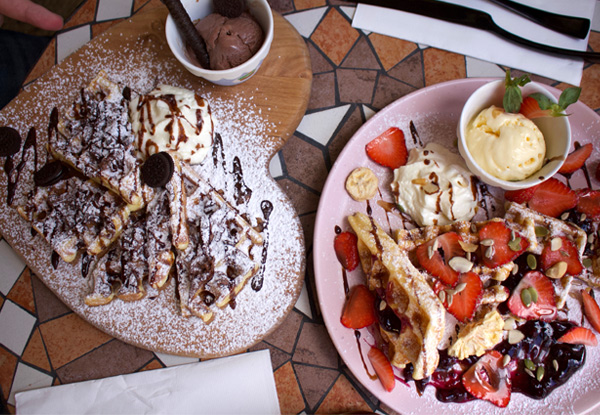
x,y
155,322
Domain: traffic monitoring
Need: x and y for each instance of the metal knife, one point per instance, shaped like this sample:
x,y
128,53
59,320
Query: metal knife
x,y
476,19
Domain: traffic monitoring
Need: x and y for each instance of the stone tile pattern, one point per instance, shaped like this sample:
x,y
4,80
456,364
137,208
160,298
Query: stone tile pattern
x,y
364,72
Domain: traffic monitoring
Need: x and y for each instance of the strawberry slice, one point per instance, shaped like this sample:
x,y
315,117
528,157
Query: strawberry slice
x,y
488,379
389,148
579,335
462,301
521,196
531,109
591,310
383,368
567,252
538,303
435,255
589,203
499,244
359,310
346,250
552,197
576,159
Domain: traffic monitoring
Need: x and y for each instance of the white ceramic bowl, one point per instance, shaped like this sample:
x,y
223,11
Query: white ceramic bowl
x,y
556,131
198,9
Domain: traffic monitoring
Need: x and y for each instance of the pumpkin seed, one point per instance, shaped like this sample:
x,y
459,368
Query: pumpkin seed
x,y
487,242
587,262
515,244
489,252
460,287
505,360
515,269
449,298
473,228
529,372
442,296
430,251
590,239
557,270
565,216
529,364
541,231
555,244
555,364
526,298
460,264
531,261
539,373
534,294
382,305
583,217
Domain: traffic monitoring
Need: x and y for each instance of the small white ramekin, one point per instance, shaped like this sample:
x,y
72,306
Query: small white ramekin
x,y
198,9
556,131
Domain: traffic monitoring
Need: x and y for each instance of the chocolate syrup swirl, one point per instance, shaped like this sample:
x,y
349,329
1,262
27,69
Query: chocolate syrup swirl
x,y
217,151
258,279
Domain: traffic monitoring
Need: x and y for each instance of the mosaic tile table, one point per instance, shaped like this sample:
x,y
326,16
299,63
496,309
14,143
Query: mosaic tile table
x,y
42,343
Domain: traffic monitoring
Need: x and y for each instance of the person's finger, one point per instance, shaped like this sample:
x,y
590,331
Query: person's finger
x,y
29,12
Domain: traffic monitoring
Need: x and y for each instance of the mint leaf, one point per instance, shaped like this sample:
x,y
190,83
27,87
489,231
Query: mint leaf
x,y
567,97
512,94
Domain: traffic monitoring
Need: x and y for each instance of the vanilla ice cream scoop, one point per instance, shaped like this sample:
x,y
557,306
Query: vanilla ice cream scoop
x,y
434,186
172,119
507,146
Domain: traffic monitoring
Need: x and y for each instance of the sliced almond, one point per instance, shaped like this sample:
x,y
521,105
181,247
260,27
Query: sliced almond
x,y
510,324
555,244
557,270
515,336
420,181
467,246
460,264
431,188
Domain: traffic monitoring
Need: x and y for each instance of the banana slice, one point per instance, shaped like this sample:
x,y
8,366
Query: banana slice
x,y
362,184
479,336
410,296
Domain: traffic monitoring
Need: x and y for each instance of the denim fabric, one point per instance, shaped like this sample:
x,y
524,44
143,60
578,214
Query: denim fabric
x,y
18,54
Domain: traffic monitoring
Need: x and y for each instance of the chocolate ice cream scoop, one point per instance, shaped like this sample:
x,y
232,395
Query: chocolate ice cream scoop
x,y
230,42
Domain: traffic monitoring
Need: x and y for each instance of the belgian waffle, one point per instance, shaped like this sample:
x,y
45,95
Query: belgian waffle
x,y
218,261
76,214
388,266
95,138
412,298
134,237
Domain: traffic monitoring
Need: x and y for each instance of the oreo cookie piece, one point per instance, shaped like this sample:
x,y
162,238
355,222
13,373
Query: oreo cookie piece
x,y
52,173
229,8
158,169
10,141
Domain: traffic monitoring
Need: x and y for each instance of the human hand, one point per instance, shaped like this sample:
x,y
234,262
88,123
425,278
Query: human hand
x,y
32,13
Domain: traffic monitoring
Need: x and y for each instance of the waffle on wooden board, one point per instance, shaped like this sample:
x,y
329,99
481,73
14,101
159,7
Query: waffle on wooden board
x,y
190,267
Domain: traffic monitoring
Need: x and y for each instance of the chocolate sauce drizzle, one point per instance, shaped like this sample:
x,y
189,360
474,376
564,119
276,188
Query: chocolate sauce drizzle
x,y
242,192
258,278
30,141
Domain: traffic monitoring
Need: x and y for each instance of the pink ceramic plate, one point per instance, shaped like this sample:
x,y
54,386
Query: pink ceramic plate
x,y
434,111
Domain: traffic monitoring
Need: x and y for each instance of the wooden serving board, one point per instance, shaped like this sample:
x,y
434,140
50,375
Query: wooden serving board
x,y
255,119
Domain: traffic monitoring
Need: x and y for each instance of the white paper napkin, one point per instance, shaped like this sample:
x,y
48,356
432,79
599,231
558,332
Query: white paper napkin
x,y
484,45
241,384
